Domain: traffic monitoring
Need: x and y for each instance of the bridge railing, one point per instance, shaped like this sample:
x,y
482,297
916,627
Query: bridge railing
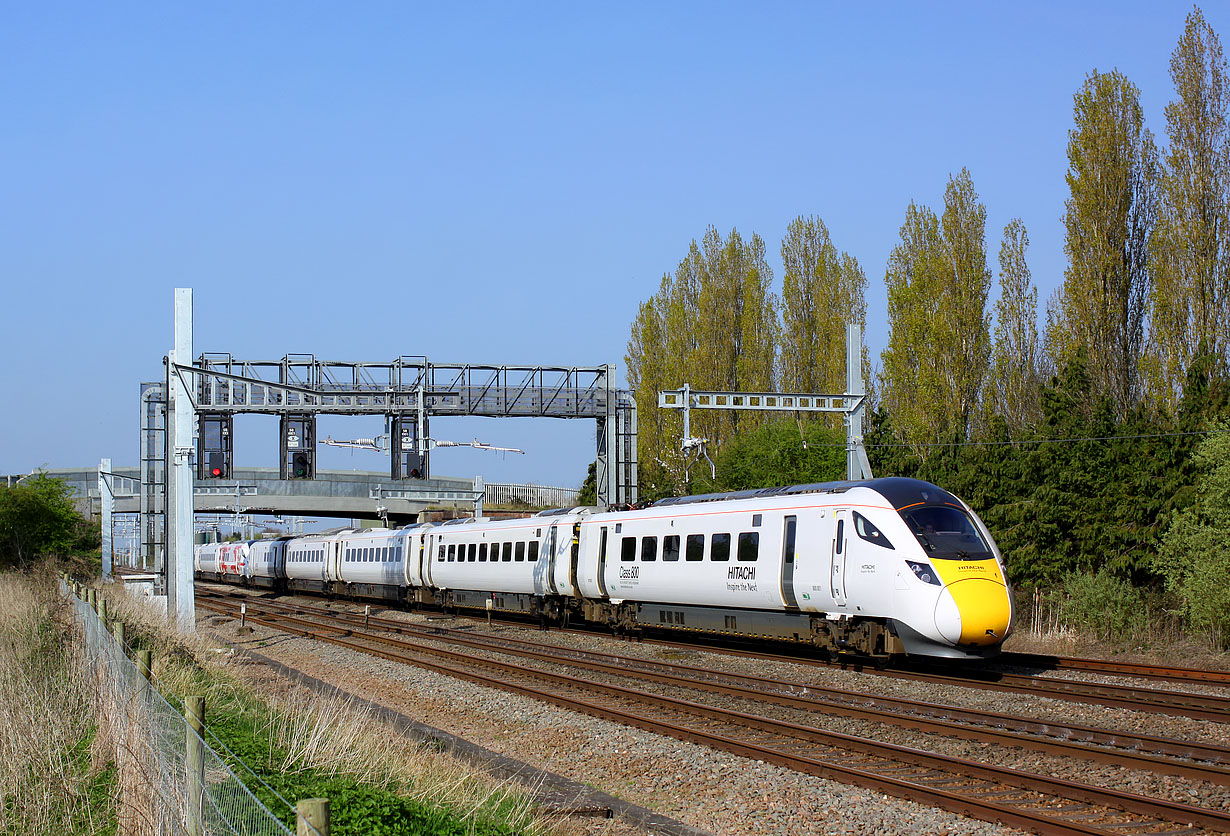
x,y
531,496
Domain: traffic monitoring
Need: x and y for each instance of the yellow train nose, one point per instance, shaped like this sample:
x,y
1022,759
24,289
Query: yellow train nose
x,y
985,610
978,612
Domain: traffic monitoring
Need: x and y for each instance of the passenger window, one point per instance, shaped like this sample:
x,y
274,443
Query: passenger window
x,y
670,547
473,552
495,552
649,548
482,552
533,550
628,549
749,545
719,548
440,559
869,532
519,554
508,552
696,547
452,553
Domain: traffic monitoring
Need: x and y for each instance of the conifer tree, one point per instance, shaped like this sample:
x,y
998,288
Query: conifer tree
x,y
1109,217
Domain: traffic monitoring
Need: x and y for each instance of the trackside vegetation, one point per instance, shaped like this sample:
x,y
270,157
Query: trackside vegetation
x,y
1092,437
38,518
54,775
298,744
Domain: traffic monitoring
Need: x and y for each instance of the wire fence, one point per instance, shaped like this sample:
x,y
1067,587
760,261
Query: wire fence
x,y
170,781
531,496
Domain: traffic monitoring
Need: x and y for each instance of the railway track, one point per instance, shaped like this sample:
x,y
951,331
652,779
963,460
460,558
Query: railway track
x,y
1021,799
1186,759
1135,698
1136,670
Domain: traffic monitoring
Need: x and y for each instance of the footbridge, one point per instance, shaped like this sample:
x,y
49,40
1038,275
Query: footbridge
x,y
333,493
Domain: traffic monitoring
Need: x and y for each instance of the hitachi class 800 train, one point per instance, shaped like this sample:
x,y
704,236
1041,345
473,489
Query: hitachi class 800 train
x,y
877,568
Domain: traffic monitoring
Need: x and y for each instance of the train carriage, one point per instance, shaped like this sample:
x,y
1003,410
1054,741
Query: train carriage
x,y
313,562
266,562
880,567
373,562
205,560
233,560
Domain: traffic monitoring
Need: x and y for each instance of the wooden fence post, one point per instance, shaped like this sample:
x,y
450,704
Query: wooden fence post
x,y
194,710
312,817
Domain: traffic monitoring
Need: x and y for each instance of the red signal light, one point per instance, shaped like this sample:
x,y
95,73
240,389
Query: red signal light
x,y
217,471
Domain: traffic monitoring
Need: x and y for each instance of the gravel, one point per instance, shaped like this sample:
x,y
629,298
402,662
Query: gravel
x,y
712,790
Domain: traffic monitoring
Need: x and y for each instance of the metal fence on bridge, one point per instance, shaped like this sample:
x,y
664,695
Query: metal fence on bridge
x,y
530,496
159,793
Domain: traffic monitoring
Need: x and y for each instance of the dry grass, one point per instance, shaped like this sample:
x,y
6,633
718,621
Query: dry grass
x,y
1040,628
49,782
333,735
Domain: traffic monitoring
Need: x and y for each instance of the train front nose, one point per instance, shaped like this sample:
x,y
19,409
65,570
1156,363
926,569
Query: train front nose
x,y
973,612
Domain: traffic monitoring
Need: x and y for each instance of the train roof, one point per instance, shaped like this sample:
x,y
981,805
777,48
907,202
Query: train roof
x,y
898,490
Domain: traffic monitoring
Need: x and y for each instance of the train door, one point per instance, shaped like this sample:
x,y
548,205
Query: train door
x,y
550,551
574,556
426,556
334,551
788,540
837,576
602,543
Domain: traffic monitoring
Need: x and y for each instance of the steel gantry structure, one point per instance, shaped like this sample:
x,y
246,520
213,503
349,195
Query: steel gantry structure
x,y
190,414
850,405
411,390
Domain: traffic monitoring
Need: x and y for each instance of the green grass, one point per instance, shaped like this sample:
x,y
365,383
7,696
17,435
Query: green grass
x,y
378,803
355,807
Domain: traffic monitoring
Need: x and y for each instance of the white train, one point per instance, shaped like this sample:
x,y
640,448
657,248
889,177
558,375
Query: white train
x,y
876,568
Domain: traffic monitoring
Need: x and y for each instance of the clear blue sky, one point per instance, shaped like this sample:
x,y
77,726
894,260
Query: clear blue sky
x,y
484,183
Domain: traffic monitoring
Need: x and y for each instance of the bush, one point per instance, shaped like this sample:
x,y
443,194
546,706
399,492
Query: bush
x,y
1194,557
1103,605
38,518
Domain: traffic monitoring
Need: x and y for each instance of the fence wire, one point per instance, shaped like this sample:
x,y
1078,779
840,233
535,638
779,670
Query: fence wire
x,y
159,795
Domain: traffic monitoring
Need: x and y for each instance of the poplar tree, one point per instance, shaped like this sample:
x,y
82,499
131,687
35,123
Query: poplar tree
x,y
822,290
712,324
964,336
648,362
735,326
938,354
1190,300
912,372
1109,218
1015,373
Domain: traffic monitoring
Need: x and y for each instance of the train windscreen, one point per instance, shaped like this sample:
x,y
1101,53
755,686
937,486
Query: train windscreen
x,y
946,532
